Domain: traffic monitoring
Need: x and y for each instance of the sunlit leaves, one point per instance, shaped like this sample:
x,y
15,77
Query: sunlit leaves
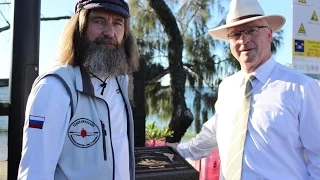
x,y
153,132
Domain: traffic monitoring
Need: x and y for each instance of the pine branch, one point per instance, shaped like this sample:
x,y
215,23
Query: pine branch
x,y
166,71
42,19
221,61
190,67
4,28
4,18
55,18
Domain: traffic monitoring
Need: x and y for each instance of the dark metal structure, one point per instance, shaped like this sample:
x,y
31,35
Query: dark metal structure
x,y
139,112
25,30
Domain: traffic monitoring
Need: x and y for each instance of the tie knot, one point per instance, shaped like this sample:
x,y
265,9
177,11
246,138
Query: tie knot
x,y
248,86
249,78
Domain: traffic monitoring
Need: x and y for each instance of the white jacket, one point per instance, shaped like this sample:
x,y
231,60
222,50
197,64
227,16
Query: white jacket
x,y
87,151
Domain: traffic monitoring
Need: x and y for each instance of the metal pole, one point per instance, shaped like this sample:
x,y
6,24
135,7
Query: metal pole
x,y
139,112
25,64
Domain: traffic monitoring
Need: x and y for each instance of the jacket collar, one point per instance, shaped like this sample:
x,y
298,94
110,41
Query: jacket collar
x,y
83,81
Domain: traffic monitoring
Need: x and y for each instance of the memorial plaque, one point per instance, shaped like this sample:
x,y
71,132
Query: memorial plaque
x,y
158,163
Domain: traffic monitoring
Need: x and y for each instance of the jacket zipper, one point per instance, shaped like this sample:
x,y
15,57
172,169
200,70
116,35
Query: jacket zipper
x,y
110,136
128,124
104,133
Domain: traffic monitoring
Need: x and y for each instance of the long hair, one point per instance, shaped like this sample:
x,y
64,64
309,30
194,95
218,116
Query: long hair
x,y
73,42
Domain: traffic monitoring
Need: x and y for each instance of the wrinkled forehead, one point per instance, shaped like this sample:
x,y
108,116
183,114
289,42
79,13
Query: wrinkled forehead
x,y
260,22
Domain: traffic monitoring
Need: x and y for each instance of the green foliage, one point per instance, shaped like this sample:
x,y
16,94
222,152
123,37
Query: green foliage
x,y
206,61
158,101
153,132
277,41
199,58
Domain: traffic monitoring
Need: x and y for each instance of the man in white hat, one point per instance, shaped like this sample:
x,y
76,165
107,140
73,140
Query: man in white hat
x,y
270,131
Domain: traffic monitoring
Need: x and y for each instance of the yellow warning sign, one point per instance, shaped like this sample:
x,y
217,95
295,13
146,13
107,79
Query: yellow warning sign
x,y
314,16
302,29
306,48
302,1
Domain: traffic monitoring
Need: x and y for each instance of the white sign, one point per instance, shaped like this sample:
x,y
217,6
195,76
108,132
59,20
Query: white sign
x,y
306,37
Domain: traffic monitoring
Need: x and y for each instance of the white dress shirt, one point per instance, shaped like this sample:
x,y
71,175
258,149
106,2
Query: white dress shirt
x,y
282,140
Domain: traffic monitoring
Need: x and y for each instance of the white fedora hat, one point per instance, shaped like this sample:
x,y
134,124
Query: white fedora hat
x,y
244,11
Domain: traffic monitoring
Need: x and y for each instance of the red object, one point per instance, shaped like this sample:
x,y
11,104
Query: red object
x,y
209,167
153,143
83,133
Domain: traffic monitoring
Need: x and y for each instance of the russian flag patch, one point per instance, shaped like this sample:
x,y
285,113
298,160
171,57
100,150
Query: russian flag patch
x,y
36,122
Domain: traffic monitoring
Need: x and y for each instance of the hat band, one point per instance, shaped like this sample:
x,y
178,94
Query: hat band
x,y
245,17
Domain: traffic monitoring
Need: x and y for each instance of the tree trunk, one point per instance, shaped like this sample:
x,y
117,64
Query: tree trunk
x,y
181,115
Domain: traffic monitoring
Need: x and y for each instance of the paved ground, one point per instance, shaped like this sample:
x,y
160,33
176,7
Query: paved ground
x,y
3,170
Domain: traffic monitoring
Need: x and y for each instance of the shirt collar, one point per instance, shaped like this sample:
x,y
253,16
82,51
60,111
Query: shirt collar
x,y
263,72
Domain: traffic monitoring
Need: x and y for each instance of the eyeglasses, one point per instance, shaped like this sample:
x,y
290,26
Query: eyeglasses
x,y
252,31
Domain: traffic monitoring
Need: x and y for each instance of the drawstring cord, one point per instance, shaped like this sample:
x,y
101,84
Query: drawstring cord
x,y
103,85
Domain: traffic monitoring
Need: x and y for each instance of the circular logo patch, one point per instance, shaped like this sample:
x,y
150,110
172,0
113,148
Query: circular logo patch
x,y
83,133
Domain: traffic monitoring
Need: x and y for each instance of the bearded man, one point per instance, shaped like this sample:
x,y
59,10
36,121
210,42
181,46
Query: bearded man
x,y
79,121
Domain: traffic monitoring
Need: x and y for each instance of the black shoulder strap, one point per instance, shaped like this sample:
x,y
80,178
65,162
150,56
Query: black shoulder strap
x,y
72,99
126,107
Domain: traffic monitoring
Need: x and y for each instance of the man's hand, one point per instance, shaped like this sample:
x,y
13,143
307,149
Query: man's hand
x,y
172,145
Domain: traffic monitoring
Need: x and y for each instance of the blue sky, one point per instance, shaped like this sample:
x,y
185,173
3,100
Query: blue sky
x,y
50,31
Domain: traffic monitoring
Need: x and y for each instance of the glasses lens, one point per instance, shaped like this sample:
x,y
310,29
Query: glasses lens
x,y
234,35
252,31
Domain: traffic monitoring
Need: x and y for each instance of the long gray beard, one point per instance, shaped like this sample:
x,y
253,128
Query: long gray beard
x,y
104,61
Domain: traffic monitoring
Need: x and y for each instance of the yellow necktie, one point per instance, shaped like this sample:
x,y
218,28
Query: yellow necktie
x,y
239,132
